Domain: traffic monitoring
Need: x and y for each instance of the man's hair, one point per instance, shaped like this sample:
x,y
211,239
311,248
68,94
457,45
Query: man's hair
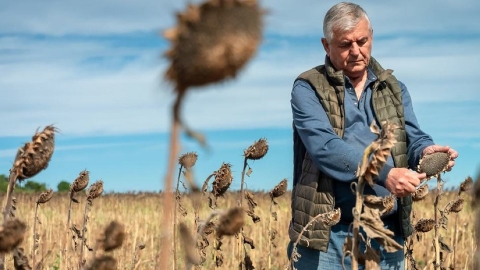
x,y
343,16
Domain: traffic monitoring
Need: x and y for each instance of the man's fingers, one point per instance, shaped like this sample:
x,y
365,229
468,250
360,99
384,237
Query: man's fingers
x,y
453,153
451,163
421,176
409,189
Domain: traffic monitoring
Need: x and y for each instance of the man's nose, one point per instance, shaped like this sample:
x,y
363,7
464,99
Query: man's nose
x,y
354,49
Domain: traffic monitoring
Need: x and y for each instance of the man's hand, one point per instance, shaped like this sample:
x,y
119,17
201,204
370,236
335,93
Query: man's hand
x,y
438,148
402,182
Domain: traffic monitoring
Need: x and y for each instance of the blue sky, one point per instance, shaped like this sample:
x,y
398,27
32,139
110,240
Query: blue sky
x,y
95,70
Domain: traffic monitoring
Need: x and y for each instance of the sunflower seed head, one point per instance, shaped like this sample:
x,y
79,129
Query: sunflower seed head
x,y
81,182
230,222
12,233
223,179
257,150
34,156
420,193
434,164
45,196
424,225
95,190
279,189
113,236
188,160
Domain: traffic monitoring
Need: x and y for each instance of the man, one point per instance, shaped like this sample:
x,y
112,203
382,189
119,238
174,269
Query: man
x,y
333,106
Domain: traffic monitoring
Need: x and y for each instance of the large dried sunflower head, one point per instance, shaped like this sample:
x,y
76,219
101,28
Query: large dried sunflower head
x,y
213,41
434,164
35,155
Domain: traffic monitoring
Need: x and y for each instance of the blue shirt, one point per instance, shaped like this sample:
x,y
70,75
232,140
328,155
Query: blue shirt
x,y
339,157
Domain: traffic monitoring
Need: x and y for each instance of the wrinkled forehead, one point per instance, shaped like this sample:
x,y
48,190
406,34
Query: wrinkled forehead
x,y
358,29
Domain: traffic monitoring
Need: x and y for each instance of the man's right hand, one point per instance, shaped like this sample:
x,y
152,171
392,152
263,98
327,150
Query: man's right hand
x,y
402,182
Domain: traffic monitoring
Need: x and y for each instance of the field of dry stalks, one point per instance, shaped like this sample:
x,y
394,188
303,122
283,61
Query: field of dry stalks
x,y
141,216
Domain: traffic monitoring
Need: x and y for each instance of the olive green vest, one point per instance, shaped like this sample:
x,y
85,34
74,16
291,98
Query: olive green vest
x,y
313,192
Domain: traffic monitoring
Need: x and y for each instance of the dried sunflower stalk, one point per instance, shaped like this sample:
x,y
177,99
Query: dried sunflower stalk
x,y
380,150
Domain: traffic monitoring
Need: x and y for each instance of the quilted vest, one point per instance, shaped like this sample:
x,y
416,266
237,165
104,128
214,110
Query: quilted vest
x,y
313,193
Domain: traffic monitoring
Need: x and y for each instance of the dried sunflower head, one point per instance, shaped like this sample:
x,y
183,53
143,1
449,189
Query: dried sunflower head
x,y
223,179
434,164
80,183
466,185
113,236
35,155
455,206
45,196
230,222
188,160
420,193
95,190
279,189
257,150
424,225
213,41
12,234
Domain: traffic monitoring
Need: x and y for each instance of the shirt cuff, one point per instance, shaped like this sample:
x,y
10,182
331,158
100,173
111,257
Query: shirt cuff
x,y
382,175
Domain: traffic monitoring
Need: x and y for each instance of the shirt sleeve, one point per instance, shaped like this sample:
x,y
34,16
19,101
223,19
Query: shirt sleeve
x,y
417,139
331,154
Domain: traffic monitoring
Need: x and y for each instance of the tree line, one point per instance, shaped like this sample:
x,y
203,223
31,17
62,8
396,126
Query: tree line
x,y
31,185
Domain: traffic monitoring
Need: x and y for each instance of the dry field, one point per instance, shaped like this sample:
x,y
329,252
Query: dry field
x,y
141,215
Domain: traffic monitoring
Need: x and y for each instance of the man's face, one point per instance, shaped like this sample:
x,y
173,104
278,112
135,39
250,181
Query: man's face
x,y
350,51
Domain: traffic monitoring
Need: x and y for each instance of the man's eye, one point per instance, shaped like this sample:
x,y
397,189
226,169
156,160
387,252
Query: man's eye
x,y
362,42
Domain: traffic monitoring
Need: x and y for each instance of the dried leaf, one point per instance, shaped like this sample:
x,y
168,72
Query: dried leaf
x,y
248,241
372,258
374,228
443,245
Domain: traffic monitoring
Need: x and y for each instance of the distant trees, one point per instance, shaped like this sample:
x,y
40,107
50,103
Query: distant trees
x,y
63,186
31,185
27,186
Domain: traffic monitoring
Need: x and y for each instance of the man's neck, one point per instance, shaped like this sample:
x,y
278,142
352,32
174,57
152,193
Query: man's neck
x,y
358,82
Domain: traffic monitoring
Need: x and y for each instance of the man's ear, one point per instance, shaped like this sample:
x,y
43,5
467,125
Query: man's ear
x,y
326,46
